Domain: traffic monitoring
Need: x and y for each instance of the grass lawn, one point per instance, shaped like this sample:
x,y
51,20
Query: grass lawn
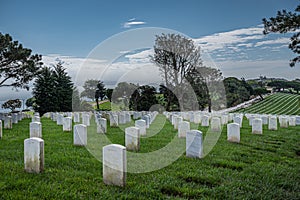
x,y
260,167
278,103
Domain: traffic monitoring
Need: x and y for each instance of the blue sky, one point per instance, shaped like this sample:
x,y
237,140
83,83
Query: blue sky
x,y
228,31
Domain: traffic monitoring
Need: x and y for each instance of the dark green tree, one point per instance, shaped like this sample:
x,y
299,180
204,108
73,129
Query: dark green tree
x,y
12,104
170,100
64,88
17,64
76,104
260,92
286,22
53,90
143,98
99,93
109,93
30,102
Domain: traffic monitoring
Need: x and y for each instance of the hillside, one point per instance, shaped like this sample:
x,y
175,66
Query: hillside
x,y
278,103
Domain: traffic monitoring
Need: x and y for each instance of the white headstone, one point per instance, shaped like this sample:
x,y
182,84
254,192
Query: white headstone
x,y
194,144
264,119
102,125
132,138
35,129
15,118
35,119
34,155
141,124
7,122
205,121
297,120
284,122
197,118
215,124
147,120
257,126
177,122
1,131
113,120
114,165
67,124
60,119
272,123
80,135
233,132
238,120
76,117
86,119
127,117
183,128
292,121
122,118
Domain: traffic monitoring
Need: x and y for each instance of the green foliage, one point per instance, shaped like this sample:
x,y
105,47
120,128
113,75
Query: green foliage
x,y
237,91
53,90
30,102
12,104
143,98
260,167
99,92
286,22
90,87
109,93
76,104
17,65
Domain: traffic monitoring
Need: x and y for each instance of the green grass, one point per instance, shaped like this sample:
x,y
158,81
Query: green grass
x,y
260,167
278,103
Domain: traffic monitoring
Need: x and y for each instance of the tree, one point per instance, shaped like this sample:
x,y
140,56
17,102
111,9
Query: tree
x,y
53,90
286,22
109,93
237,91
76,104
170,100
12,104
122,93
143,98
17,65
176,57
99,93
64,88
90,87
30,102
260,92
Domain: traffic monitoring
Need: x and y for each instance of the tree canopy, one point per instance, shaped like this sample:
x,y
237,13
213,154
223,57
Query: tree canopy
x,y
90,87
12,104
286,22
17,64
53,90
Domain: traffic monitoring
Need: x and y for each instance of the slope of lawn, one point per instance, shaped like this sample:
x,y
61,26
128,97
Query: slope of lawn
x,y
260,167
278,103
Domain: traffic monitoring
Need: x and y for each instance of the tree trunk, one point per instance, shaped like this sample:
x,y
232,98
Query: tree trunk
x,y
97,102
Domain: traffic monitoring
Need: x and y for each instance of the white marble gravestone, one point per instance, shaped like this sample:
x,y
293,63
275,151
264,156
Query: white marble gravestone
x,y
102,125
60,119
205,121
113,120
114,165
194,144
132,138
15,118
297,120
284,122
7,122
34,155
1,131
141,124
122,118
177,121
238,120
292,121
197,118
86,119
233,132
215,124
272,123
257,126
183,128
76,117
67,124
35,129
80,135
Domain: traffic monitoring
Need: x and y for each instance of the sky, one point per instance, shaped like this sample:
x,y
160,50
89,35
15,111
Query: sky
x,y
100,37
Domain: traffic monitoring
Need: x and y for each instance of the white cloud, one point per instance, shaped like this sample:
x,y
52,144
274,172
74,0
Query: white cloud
x,y
132,22
221,40
271,42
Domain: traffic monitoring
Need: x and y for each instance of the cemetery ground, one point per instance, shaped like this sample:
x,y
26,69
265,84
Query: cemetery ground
x,y
263,166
